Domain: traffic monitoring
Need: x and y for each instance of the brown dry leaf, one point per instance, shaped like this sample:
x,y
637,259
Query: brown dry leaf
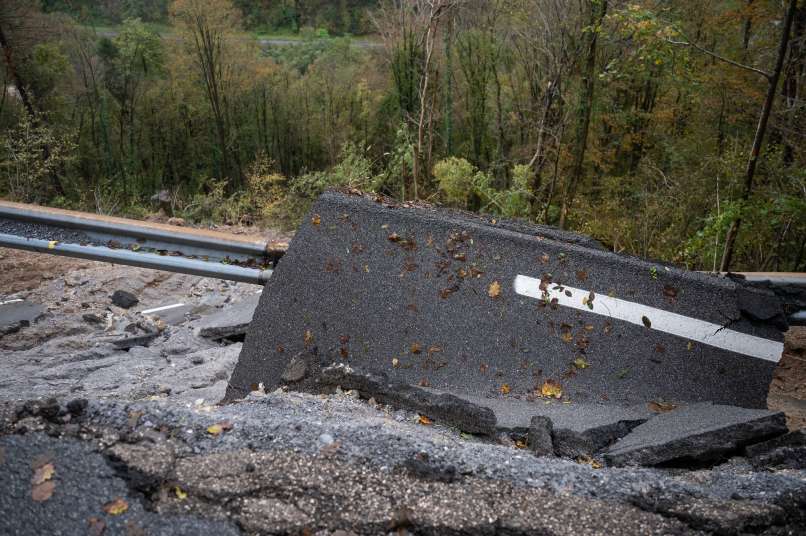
x,y
308,338
416,348
661,407
96,526
424,383
520,444
43,474
316,219
116,507
545,258
394,237
434,349
567,336
425,421
495,289
551,389
505,389
42,492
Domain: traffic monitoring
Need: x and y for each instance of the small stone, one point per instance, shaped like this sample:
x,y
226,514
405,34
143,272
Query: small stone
x,y
539,439
77,406
326,439
197,359
124,299
92,318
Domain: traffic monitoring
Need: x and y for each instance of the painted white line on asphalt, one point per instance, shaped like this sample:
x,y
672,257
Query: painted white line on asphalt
x,y
10,302
657,319
160,309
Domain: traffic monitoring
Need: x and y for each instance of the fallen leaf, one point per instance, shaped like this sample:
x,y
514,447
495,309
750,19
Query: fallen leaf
x,y
495,289
316,219
587,460
544,258
580,363
42,492
97,526
394,237
661,407
43,474
505,389
52,244
690,346
567,336
219,427
588,300
308,338
520,444
180,493
424,383
425,421
395,362
551,389
582,275
116,507
646,322
416,348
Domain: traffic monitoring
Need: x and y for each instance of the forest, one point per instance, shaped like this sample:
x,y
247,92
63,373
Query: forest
x,y
670,129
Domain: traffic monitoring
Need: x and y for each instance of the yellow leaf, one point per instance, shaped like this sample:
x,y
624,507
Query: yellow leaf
x,y
567,336
520,444
551,389
52,244
587,460
580,363
425,421
214,429
116,507
43,474
505,389
316,219
180,493
495,289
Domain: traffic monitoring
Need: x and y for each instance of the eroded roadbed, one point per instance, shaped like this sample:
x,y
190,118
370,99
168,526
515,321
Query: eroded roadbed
x,y
293,463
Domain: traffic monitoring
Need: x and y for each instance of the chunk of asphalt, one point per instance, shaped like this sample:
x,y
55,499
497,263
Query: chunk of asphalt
x,y
539,439
578,429
441,407
20,312
127,343
124,299
466,304
796,438
232,321
698,433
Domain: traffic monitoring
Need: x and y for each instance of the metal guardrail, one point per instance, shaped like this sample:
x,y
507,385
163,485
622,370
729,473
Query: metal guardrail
x,y
134,243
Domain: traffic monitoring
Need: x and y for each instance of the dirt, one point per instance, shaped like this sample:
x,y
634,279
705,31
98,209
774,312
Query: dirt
x,y
788,389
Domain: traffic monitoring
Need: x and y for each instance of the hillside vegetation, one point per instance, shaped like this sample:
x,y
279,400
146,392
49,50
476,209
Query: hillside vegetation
x,y
669,129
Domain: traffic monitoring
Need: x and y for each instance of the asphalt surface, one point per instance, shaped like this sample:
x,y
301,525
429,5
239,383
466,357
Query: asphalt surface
x,y
426,296
289,462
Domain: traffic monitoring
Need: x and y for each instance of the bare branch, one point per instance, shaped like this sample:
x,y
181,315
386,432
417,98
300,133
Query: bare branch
x,y
729,61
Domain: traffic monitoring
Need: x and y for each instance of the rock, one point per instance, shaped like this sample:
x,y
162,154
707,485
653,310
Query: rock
x,y
443,407
232,321
179,222
127,343
701,432
76,407
326,439
124,299
571,444
296,370
539,440
92,318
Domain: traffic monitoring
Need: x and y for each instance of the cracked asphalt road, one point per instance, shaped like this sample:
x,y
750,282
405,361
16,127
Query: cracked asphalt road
x,y
293,463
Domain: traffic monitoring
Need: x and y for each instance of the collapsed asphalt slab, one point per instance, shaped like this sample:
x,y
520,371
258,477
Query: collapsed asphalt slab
x,y
696,433
466,304
293,462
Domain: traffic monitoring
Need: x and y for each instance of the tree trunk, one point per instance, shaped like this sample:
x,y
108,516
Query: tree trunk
x,y
750,172
598,9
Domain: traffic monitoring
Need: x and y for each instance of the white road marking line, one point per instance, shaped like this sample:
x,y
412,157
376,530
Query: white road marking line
x,y
10,302
160,309
660,320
